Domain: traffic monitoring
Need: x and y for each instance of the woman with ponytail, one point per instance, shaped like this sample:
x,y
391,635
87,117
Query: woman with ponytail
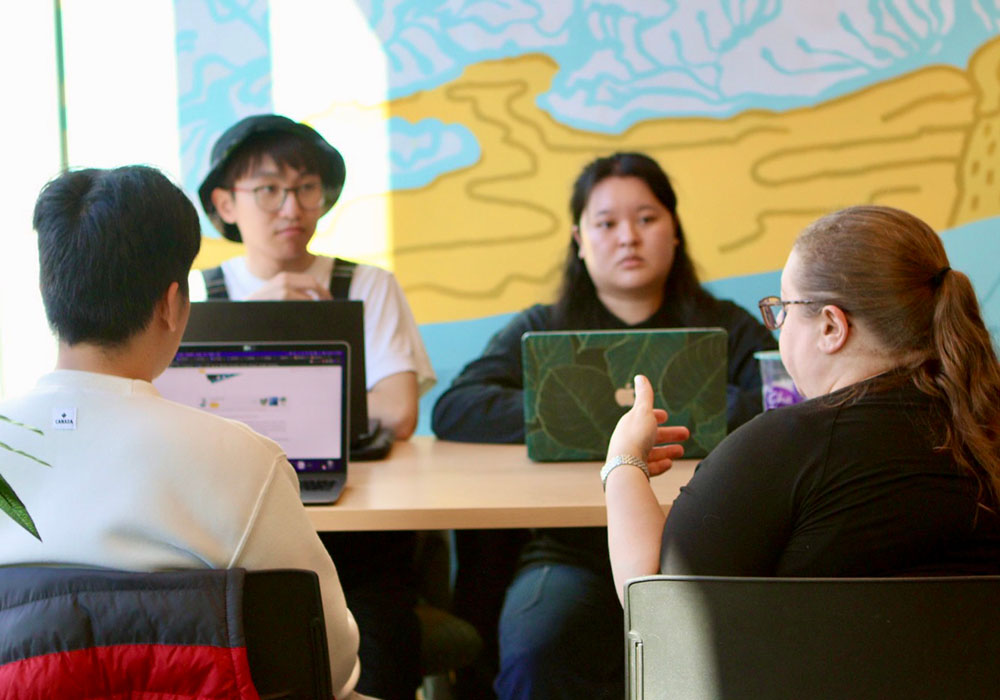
x,y
893,465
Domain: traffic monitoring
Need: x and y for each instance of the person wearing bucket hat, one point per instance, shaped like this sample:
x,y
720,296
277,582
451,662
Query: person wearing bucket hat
x,y
326,159
269,182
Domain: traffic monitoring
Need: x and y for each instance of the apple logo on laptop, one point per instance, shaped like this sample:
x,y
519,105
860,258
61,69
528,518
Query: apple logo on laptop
x,y
625,396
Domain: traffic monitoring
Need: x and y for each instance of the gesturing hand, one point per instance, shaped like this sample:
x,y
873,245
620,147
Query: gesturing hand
x,y
640,433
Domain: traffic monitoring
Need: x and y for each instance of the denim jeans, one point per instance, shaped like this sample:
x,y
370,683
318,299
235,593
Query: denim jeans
x,y
561,636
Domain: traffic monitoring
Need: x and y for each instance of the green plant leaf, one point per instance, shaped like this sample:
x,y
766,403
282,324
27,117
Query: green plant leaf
x,y
12,506
537,358
5,446
709,431
565,392
688,374
646,354
5,419
539,443
690,382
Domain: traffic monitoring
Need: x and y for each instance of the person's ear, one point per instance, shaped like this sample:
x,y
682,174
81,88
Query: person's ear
x,y
170,308
579,243
834,330
224,204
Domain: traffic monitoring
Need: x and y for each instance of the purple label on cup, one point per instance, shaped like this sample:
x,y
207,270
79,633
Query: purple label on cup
x,y
778,388
777,396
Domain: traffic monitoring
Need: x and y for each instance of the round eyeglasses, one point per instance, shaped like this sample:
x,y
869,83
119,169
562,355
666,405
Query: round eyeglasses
x,y
271,198
773,310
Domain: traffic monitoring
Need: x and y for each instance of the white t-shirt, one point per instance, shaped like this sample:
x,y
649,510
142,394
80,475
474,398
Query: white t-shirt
x,y
141,483
392,338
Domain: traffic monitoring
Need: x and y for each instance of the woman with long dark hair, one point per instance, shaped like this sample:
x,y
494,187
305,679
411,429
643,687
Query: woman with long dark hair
x,y
627,267
892,466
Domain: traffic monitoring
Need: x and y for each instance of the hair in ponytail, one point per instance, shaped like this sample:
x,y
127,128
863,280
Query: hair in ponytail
x,y
966,373
889,270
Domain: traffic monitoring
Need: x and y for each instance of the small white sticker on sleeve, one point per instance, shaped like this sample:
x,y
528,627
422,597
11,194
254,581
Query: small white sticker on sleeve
x,y
64,419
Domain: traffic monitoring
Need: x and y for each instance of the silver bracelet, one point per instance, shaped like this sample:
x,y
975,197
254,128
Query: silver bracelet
x,y
619,460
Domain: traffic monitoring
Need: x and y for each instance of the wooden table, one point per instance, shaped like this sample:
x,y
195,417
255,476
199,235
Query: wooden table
x,y
430,484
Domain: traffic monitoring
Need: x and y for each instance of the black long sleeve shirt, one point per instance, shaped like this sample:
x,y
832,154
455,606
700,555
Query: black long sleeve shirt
x,y
834,487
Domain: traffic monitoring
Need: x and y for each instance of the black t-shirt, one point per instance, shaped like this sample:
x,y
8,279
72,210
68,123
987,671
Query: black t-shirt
x,y
834,487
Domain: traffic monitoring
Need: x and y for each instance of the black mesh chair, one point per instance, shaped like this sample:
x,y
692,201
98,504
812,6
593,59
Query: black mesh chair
x,y
720,637
70,632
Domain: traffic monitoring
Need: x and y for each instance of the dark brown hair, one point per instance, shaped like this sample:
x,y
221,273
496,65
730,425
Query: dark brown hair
x,y
889,270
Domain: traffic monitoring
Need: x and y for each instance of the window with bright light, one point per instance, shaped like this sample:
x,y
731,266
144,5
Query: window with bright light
x,y
120,107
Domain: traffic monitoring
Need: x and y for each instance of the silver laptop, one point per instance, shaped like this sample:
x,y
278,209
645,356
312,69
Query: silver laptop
x,y
296,393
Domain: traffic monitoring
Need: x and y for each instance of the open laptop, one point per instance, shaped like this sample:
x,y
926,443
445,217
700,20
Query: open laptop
x,y
295,393
257,321
577,384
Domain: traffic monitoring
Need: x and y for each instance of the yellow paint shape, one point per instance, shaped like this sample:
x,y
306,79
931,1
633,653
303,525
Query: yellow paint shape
x,y
491,238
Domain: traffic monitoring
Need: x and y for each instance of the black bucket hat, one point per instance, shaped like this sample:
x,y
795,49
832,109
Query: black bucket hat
x,y
333,170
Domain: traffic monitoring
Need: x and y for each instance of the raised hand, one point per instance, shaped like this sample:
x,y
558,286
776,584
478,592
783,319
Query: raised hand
x,y
640,433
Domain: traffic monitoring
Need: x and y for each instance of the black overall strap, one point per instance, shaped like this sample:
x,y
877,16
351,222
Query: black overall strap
x,y
215,284
340,279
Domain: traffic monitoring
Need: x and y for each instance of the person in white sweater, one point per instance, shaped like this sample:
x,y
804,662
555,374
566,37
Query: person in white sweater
x,y
135,481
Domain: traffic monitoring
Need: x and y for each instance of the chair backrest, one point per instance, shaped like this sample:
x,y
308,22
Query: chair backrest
x,y
286,635
720,637
101,633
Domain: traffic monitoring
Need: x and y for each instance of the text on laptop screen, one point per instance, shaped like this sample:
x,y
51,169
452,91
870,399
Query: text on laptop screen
x,y
291,394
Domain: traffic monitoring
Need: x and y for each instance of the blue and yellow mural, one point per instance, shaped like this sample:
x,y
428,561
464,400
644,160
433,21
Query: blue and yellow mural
x,y
766,114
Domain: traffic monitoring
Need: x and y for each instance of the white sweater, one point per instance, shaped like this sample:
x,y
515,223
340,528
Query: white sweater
x,y
140,483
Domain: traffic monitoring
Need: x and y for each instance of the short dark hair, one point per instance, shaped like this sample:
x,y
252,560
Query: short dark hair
x,y
295,145
285,148
578,292
110,243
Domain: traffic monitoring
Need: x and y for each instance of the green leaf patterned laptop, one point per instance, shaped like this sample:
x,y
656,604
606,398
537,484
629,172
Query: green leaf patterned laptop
x,y
577,384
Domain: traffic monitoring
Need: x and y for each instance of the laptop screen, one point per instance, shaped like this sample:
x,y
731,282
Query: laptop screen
x,y
293,393
289,322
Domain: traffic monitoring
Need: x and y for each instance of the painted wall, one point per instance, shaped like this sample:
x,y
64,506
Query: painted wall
x,y
464,123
